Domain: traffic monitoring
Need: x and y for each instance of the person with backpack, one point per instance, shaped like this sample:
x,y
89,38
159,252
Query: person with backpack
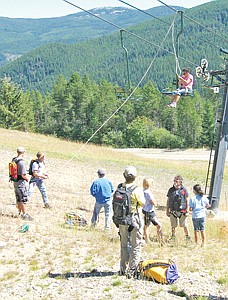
x,y
20,184
185,87
177,206
197,206
102,189
38,173
131,224
149,213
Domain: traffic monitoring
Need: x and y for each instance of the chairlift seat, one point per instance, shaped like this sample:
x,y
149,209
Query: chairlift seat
x,y
183,95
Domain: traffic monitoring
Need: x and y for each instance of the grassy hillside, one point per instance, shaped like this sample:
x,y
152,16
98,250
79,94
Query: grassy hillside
x,y
104,58
52,261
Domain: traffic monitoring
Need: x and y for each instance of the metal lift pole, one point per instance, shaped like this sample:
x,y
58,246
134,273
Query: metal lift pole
x,y
126,54
177,41
220,152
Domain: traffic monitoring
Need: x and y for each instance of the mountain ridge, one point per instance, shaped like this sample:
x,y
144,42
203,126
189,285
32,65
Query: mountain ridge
x,y
104,58
21,35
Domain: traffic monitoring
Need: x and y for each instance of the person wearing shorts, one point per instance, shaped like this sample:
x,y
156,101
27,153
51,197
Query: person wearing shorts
x,y
21,186
197,205
149,213
185,87
177,206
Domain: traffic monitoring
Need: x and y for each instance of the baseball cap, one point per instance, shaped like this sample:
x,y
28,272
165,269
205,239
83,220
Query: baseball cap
x,y
130,171
101,171
21,149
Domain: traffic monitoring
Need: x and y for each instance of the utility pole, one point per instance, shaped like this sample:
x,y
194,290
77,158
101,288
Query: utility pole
x,y
221,147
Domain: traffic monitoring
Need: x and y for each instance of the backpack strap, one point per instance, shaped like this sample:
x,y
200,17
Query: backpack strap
x,y
131,189
38,163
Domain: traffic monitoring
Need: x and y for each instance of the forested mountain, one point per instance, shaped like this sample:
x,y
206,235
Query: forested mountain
x,y
69,90
104,58
19,36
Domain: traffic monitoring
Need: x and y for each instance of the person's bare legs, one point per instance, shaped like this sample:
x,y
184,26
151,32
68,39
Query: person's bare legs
x,y
186,231
21,207
145,233
175,98
159,233
203,237
196,236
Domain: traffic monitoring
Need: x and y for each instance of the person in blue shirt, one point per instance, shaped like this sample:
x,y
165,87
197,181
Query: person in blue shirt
x,y
102,189
197,205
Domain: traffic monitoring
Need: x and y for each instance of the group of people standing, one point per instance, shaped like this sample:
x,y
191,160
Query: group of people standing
x,y
131,237
178,207
25,184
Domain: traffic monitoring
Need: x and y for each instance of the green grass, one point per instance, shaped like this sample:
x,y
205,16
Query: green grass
x,y
9,275
117,282
34,265
223,280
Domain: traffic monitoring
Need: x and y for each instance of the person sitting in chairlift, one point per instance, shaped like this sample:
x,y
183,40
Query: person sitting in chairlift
x,y
185,87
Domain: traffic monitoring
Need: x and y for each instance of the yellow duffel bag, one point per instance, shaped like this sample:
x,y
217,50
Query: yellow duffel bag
x,y
162,271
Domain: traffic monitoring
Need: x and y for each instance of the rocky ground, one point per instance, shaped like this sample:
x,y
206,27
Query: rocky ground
x,y
51,261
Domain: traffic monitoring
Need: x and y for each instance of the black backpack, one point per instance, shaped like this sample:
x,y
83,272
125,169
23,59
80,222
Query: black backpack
x,y
178,200
121,205
30,166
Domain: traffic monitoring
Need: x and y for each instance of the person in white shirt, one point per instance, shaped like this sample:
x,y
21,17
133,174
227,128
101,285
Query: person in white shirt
x,y
38,176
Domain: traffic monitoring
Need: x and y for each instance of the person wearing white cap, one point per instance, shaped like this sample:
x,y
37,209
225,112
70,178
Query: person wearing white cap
x,y
38,177
131,236
102,190
20,185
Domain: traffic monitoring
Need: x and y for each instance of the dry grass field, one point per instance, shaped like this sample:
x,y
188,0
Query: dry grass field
x,y
53,261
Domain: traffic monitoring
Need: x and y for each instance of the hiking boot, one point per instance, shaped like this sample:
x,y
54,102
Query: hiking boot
x,y
132,274
173,237
121,273
188,238
46,205
129,275
26,217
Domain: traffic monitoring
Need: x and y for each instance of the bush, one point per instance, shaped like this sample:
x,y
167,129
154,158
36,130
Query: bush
x,y
162,138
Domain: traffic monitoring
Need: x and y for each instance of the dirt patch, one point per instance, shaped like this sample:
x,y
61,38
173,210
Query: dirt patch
x,y
50,261
174,154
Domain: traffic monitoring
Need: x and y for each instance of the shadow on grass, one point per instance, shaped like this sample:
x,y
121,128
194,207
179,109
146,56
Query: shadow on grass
x,y
196,297
93,273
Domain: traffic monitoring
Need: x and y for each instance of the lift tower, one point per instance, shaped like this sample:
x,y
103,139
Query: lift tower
x,y
221,145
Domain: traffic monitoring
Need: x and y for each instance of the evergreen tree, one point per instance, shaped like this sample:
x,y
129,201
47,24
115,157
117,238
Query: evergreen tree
x,y
15,109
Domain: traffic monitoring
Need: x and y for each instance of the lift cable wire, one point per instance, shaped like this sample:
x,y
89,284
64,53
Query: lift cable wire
x,y
131,94
192,20
143,11
129,32
178,69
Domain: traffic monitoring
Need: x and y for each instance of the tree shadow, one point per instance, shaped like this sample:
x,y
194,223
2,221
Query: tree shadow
x,y
182,293
83,209
9,215
93,273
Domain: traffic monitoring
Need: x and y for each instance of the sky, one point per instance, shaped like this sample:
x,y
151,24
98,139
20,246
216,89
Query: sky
x,y
56,8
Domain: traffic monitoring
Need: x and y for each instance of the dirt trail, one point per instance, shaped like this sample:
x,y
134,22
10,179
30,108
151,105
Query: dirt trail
x,y
174,154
